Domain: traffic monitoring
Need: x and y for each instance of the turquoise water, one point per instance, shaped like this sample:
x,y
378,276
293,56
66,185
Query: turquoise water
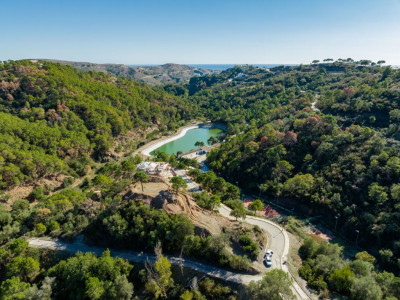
x,y
186,143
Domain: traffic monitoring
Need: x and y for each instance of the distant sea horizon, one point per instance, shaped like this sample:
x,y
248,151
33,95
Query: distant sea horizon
x,y
222,67
218,67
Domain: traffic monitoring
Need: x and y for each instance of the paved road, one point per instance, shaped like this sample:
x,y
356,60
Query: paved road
x,y
141,257
191,185
279,245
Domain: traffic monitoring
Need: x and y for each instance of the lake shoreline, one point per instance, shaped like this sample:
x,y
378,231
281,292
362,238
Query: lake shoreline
x,y
153,145
160,142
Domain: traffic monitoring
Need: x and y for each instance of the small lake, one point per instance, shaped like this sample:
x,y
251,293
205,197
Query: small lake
x,y
186,142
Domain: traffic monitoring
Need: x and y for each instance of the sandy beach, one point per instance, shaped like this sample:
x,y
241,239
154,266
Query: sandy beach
x,y
149,147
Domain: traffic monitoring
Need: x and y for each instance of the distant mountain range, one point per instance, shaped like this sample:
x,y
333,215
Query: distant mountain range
x,y
151,75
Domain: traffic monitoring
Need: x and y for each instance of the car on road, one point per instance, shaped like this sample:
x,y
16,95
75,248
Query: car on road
x,y
269,252
268,261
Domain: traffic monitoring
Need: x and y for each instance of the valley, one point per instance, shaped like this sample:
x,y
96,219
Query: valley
x,y
91,162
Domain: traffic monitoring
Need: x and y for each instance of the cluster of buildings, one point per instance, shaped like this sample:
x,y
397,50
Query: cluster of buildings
x,y
153,168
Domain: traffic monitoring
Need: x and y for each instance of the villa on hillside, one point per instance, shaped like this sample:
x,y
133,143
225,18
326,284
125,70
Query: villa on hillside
x,y
240,76
153,168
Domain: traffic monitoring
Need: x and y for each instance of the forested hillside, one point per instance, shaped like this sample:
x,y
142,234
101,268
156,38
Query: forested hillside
x,y
55,118
151,75
322,138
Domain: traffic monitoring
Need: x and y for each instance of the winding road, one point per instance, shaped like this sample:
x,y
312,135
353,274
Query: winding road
x,y
141,257
279,245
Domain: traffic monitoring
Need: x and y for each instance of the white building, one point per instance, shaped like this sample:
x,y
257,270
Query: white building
x,y
153,168
196,152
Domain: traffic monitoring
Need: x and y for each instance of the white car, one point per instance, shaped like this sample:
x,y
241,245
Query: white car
x,y
269,252
268,261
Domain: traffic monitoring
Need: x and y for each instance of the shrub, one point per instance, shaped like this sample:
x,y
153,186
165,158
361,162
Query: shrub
x,y
67,182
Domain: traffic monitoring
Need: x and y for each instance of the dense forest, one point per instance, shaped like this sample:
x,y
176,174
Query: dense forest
x,y
54,119
321,138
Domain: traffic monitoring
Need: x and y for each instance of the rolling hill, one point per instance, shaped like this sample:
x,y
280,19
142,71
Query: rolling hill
x,y
151,75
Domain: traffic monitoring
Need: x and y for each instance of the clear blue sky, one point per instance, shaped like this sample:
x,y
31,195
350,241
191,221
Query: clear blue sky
x,y
200,31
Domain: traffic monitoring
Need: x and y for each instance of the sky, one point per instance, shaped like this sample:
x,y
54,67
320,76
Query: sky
x,y
200,31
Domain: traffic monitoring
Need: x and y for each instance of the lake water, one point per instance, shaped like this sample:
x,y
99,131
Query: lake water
x,y
186,143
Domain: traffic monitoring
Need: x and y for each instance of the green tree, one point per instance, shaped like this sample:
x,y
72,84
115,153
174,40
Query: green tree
x,y
238,213
14,289
94,288
159,278
389,284
40,229
37,194
141,176
199,144
257,205
128,167
20,205
341,279
365,288
361,268
18,246
178,183
377,194
86,275
308,248
54,226
25,268
300,186
45,291
275,285
365,256
386,72
212,140
386,256
214,202
122,289
187,295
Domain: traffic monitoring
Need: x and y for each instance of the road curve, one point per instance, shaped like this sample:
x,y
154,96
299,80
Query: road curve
x,y
279,245
141,257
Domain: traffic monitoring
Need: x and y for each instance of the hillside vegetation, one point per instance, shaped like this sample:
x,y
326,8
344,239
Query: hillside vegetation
x,y
322,138
55,118
151,75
